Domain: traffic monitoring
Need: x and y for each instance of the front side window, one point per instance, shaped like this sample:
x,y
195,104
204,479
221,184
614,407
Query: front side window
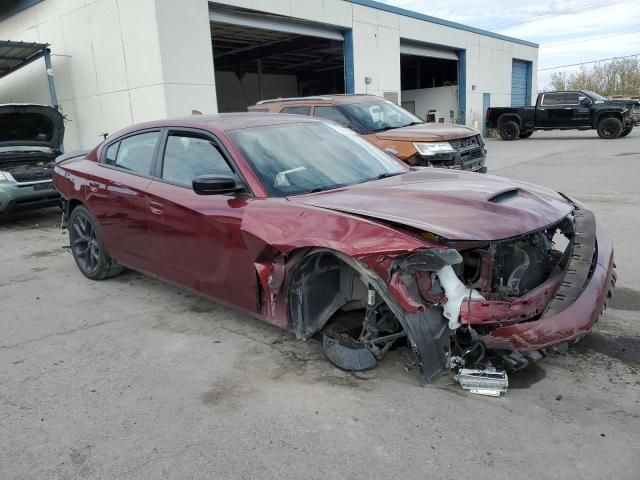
x,y
381,115
297,110
571,98
307,157
187,157
333,114
134,153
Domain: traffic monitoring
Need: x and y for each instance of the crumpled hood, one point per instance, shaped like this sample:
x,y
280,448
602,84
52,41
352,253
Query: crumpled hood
x,y
30,125
428,132
452,204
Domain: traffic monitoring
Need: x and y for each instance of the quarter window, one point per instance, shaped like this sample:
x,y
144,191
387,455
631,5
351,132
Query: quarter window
x,y
333,114
133,153
297,110
187,157
111,154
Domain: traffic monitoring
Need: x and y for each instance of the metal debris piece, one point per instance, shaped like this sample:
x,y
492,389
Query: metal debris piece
x,y
483,382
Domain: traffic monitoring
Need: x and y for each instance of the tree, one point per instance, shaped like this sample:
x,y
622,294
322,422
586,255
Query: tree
x,y
616,77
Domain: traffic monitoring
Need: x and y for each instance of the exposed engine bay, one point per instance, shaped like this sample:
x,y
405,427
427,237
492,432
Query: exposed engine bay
x,y
27,166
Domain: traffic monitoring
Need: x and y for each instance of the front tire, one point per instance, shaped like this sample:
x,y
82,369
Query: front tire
x,y
526,134
609,128
509,130
87,246
626,131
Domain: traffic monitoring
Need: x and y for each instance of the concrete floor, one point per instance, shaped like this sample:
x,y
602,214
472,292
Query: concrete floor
x,y
131,378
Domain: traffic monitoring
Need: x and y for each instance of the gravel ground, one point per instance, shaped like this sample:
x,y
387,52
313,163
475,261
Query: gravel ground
x,y
132,378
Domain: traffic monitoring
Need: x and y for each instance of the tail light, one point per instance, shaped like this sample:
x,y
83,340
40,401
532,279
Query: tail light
x,y
488,114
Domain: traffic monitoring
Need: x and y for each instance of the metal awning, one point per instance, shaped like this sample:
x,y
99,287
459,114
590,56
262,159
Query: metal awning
x,y
15,55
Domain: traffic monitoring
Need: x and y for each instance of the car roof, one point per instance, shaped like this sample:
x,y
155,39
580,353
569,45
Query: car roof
x,y
221,121
338,99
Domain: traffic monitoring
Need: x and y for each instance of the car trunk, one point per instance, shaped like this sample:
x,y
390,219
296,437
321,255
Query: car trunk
x,y
30,139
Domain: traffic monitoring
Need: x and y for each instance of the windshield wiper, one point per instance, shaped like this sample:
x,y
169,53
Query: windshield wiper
x,y
412,124
323,188
386,175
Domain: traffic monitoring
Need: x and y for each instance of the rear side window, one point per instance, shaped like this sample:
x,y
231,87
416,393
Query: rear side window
x,y
333,114
297,110
187,157
133,153
552,99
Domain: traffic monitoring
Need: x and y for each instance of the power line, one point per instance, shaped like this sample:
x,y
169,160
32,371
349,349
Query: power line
x,y
587,63
581,8
588,39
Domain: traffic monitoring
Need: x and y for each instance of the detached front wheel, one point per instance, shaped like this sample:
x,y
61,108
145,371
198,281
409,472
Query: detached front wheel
x,y
609,128
88,248
509,130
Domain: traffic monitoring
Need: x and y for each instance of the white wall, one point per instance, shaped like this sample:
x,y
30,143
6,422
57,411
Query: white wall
x,y
440,99
115,62
240,94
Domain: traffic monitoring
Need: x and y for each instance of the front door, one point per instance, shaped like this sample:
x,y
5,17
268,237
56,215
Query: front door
x,y
197,239
116,195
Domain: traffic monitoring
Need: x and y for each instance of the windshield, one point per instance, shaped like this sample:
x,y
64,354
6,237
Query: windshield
x,y
308,157
594,96
381,115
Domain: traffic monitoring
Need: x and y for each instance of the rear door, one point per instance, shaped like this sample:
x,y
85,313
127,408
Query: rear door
x,y
197,240
116,195
551,112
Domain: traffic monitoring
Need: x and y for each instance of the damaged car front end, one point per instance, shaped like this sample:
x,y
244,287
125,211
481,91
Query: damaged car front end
x,y
481,306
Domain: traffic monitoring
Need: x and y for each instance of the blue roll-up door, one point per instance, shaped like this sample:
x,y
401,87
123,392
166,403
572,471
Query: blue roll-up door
x,y
520,83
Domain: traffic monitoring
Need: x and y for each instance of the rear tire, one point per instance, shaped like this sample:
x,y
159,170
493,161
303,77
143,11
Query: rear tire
x,y
509,130
526,134
626,131
87,246
609,128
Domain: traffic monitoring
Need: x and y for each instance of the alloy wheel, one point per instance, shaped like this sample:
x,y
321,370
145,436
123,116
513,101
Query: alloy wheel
x,y
84,244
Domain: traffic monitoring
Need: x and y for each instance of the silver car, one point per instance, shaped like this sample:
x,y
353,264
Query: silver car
x,y
31,138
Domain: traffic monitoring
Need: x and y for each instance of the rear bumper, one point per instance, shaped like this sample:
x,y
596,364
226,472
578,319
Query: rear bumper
x,y
572,312
16,196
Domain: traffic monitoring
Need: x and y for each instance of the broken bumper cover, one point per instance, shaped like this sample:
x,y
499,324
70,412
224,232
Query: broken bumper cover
x,y
578,301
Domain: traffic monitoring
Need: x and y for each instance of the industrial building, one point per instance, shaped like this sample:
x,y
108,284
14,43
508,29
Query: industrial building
x,y
117,62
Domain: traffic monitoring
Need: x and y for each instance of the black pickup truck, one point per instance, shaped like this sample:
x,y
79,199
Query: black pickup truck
x,y
570,110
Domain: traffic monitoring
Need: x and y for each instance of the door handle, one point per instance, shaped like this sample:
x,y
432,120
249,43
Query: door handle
x,y
568,108
94,186
156,208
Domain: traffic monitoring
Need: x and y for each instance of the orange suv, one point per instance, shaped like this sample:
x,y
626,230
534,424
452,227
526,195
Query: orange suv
x,y
392,129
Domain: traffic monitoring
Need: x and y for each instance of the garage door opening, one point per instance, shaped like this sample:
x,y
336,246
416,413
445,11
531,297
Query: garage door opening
x,y
430,86
253,64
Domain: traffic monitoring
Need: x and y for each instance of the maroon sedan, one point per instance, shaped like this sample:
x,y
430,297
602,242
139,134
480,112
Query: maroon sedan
x,y
306,226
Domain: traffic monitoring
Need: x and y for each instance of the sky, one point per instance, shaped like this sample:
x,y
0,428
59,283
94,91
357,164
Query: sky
x,y
568,31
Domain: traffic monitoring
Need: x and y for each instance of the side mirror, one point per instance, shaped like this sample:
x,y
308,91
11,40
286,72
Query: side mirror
x,y
586,101
214,184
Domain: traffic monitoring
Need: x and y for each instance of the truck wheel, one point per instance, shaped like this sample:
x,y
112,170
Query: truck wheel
x,y
526,134
626,131
509,130
609,128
